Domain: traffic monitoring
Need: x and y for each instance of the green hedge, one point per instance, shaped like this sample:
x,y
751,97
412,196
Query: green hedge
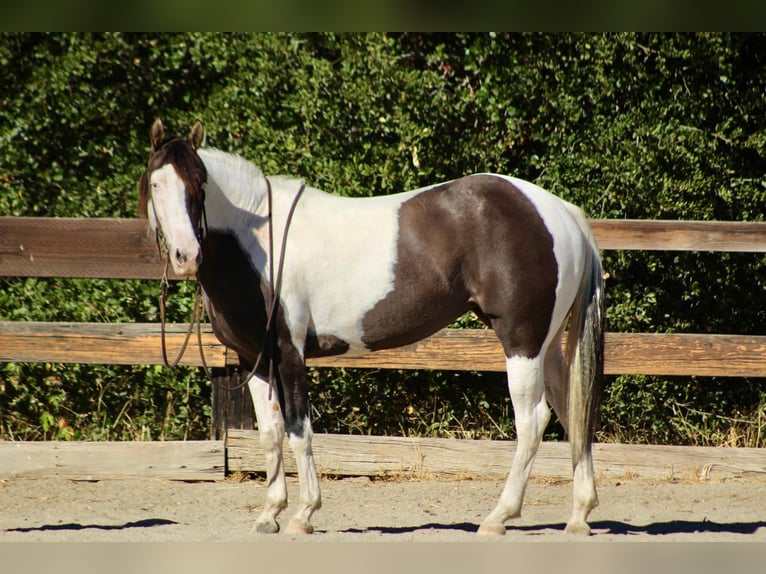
x,y
626,125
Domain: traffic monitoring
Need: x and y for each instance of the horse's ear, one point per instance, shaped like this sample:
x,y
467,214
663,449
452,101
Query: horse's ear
x,y
157,134
197,135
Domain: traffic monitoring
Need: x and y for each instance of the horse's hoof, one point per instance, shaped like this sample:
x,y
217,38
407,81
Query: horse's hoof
x,y
578,528
491,529
299,527
266,527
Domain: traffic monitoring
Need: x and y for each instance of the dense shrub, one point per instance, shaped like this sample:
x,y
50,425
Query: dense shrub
x,y
626,125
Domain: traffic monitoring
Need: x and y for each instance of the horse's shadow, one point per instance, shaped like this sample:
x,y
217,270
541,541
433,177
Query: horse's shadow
x,y
598,527
74,526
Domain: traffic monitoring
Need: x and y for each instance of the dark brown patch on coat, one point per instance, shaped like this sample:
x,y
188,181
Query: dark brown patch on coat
x,y
182,155
235,295
476,243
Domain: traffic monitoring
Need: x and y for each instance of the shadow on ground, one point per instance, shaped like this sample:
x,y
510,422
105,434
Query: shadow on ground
x,y
599,527
147,523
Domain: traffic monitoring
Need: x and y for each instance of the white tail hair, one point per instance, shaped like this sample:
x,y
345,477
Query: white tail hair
x,y
584,355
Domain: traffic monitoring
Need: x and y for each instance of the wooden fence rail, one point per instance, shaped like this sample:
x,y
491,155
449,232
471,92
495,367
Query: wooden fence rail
x,y
449,349
124,248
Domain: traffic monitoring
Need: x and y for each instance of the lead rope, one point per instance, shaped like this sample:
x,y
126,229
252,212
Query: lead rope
x,y
198,309
275,287
196,318
164,284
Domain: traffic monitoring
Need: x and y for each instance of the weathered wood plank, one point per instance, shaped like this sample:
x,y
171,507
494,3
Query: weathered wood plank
x,y
685,354
96,248
671,235
104,343
124,248
624,353
449,349
176,460
345,455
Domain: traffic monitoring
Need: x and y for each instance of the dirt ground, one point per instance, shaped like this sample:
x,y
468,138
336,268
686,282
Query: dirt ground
x,y
363,510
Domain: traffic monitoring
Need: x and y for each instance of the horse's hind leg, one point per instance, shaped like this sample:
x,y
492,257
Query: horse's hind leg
x,y
584,495
271,431
527,388
584,484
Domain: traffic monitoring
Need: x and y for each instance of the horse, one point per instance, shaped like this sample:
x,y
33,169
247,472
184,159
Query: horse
x,y
289,272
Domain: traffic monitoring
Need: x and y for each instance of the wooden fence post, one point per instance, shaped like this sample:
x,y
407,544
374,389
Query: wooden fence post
x,y
232,406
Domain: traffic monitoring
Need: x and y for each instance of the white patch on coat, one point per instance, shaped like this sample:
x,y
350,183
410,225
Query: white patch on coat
x,y
168,209
340,261
340,253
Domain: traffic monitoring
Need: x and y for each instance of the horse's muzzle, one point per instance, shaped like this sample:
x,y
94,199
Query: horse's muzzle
x,y
185,263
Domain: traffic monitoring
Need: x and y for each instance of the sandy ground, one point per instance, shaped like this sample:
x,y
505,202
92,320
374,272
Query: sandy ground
x,y
363,510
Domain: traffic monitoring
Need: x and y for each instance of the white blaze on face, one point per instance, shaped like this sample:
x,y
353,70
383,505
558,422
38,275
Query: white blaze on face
x,y
168,208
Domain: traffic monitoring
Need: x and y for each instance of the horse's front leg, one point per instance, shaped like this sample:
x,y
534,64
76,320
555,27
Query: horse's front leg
x,y
299,435
271,431
310,497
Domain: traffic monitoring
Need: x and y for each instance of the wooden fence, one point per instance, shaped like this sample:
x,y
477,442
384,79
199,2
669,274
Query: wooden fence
x,y
124,249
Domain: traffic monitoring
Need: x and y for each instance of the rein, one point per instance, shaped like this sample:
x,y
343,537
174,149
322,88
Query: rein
x,y
275,287
197,309
275,284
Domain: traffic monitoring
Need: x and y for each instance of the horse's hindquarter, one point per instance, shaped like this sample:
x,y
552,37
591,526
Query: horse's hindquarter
x,y
474,243
570,243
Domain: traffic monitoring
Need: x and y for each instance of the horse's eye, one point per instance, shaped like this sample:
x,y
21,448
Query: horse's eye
x,y
155,185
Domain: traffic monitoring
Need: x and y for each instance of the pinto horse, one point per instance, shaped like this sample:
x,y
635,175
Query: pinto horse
x,y
355,275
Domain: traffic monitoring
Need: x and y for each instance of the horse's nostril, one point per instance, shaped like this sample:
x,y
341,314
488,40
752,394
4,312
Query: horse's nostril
x,y
180,257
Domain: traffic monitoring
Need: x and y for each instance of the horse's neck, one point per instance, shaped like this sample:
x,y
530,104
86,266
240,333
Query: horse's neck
x,y
237,203
236,190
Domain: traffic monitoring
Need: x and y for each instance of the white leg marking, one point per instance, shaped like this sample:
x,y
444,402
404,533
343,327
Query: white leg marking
x,y
557,393
310,497
271,430
527,388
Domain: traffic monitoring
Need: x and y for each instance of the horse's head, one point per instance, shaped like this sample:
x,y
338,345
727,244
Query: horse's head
x,y
172,196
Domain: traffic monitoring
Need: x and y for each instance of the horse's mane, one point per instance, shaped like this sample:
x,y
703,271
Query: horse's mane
x,y
231,171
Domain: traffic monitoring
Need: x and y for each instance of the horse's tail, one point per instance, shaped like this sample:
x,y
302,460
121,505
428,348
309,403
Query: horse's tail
x,y
584,355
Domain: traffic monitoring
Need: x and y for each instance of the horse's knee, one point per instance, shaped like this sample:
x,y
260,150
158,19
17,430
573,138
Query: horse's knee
x,y
270,439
